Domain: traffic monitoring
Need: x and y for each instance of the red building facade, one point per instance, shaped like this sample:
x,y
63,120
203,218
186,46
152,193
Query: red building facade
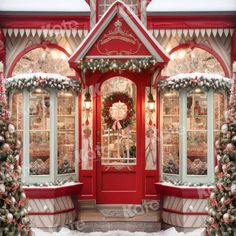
x,y
124,122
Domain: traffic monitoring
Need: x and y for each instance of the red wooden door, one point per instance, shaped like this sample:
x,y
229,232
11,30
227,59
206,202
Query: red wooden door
x,y
119,161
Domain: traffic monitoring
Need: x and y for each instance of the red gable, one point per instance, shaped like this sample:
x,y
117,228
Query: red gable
x,y
119,34
118,39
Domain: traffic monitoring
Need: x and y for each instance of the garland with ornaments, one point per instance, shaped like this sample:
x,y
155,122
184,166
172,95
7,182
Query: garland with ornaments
x,y
104,65
195,80
118,110
42,80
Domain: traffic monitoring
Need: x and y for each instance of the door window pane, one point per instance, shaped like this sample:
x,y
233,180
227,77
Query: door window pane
x,y
118,145
197,133
39,118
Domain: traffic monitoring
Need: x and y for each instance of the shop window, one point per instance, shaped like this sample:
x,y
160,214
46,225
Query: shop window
x,y
197,132
220,106
16,109
188,60
170,128
66,120
105,4
46,121
39,132
191,114
48,60
118,144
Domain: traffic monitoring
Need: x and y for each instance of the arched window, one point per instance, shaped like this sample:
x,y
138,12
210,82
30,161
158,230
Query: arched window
x,y
49,60
188,60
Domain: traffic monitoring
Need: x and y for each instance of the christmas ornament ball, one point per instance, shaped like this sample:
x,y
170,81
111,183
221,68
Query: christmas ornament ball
x,y
233,188
23,196
217,169
213,195
9,217
224,128
211,220
11,128
2,188
6,147
226,217
222,200
229,147
25,220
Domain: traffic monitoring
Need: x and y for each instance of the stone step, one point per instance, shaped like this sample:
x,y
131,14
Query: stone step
x,y
87,204
127,217
101,226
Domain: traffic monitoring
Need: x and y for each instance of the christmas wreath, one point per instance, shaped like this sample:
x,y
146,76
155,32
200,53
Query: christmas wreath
x,y
118,110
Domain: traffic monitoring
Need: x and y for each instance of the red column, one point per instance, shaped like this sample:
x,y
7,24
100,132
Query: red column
x,y
233,50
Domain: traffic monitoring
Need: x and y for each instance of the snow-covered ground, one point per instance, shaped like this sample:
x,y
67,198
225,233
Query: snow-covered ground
x,y
67,232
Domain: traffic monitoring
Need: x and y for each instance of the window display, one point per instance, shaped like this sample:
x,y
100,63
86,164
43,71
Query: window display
x,y
192,109
66,132
39,131
170,129
118,122
45,118
220,105
197,132
17,113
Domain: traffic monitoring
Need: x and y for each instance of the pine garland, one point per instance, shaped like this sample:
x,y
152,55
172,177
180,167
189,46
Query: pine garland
x,y
203,81
41,80
105,65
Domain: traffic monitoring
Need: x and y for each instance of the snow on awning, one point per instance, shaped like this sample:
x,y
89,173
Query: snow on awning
x,y
195,80
55,7
180,7
41,80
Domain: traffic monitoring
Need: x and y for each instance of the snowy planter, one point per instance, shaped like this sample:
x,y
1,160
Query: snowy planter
x,y
54,206
184,207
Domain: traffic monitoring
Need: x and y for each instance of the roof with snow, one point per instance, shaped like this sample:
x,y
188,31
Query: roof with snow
x,y
175,7
58,7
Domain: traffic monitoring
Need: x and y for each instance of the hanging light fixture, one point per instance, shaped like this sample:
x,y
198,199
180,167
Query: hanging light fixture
x,y
151,101
87,100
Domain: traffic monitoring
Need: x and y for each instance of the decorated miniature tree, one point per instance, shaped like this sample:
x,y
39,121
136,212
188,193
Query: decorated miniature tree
x,y
13,213
222,212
